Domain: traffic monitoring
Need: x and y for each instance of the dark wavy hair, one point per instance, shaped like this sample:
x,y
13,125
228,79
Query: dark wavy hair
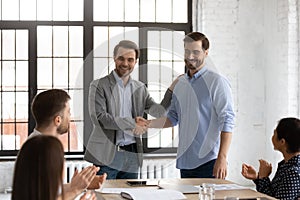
x,y
289,129
39,169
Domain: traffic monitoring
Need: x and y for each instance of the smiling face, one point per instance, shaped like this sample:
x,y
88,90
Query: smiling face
x,y
194,55
125,61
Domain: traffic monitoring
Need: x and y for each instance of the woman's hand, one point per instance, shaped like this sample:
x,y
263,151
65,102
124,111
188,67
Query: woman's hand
x,y
88,195
249,172
97,182
265,168
81,180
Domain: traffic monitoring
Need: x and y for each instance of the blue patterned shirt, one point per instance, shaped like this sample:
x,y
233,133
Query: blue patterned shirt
x,y
286,182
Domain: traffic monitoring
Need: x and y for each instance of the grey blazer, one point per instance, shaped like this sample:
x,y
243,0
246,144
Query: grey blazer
x,y
104,108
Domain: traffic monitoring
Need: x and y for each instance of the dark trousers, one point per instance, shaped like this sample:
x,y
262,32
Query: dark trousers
x,y
124,166
203,171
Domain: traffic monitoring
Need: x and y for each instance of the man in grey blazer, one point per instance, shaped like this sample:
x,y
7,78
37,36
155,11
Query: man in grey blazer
x,y
116,104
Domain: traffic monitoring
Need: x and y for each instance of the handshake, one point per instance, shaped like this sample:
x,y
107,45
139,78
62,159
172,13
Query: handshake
x,y
141,126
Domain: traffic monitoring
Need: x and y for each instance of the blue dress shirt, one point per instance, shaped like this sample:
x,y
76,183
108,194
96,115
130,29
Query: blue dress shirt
x,y
203,107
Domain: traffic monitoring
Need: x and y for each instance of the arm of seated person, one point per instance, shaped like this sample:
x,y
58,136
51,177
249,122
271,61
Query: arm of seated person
x,y
86,195
80,181
97,182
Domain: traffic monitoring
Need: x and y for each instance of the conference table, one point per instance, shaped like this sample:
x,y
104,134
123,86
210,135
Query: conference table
x,y
247,193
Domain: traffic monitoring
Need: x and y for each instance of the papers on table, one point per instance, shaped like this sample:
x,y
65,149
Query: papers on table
x,y
146,194
185,189
119,190
217,187
227,186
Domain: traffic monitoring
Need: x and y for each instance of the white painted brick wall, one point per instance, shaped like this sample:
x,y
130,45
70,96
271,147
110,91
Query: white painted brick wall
x,y
255,44
293,61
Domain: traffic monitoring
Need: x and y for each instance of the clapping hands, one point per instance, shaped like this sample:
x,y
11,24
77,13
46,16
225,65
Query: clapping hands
x,y
97,182
81,180
265,168
249,172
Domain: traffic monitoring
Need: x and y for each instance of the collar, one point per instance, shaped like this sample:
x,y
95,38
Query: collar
x,y
197,74
37,132
119,80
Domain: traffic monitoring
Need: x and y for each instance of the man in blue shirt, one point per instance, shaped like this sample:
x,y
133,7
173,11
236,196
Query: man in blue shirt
x,y
202,106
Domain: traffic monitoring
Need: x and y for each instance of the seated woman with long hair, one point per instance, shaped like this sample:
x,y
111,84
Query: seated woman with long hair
x,y
38,173
286,182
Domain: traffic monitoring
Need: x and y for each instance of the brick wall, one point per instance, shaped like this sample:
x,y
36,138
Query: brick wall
x,y
255,44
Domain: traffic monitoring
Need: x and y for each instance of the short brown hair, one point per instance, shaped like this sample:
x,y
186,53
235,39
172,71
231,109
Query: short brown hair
x,y
48,104
127,44
197,36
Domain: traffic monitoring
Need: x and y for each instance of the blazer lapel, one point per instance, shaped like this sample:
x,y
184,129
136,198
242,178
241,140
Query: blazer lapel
x,y
115,98
133,101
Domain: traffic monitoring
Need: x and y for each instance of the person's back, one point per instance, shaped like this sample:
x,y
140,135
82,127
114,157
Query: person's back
x,y
39,169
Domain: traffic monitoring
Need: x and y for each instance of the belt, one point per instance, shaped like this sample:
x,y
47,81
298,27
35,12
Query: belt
x,y
129,148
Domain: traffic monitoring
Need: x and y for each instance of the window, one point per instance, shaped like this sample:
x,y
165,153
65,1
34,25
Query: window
x,y
165,63
66,44
59,63
14,88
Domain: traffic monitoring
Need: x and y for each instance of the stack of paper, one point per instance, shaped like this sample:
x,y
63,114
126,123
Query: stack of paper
x,y
146,194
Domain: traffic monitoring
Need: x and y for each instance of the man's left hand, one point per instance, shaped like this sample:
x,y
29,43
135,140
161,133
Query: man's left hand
x,y
220,168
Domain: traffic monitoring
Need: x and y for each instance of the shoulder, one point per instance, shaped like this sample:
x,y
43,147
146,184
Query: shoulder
x,y
215,78
215,75
293,173
33,134
295,169
106,80
138,84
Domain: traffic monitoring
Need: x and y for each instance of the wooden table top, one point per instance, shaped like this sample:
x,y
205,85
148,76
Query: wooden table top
x,y
241,193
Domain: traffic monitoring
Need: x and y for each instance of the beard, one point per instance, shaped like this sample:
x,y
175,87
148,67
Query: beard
x,y
63,128
123,71
193,64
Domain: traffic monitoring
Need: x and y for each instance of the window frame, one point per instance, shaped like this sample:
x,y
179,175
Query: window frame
x,y
88,25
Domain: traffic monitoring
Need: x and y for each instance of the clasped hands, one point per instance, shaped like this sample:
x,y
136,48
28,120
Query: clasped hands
x,y
141,126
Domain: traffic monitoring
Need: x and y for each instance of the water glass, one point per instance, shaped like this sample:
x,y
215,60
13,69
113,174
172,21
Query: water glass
x,y
207,192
